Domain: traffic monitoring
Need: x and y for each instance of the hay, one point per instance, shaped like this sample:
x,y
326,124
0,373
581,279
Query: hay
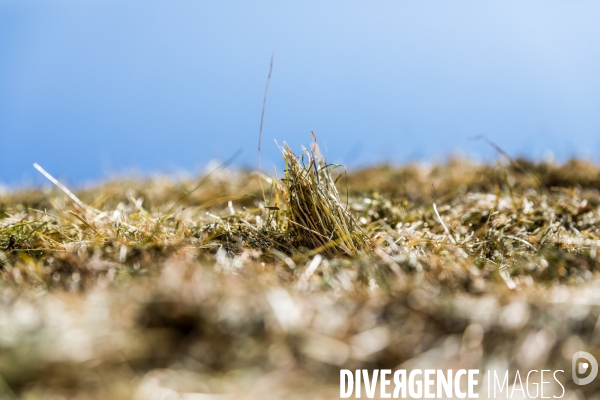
x,y
156,289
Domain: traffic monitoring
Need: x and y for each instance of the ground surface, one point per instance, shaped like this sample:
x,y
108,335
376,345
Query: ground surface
x,y
151,291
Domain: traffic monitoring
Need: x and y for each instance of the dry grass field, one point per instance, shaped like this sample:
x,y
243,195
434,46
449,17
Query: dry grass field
x,y
165,289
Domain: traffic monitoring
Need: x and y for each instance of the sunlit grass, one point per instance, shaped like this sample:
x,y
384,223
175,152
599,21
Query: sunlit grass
x,y
148,285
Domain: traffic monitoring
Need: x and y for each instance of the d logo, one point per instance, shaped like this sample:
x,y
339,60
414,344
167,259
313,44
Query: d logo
x,y
581,368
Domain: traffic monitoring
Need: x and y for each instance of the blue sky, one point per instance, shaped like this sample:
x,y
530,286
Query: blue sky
x,y
93,88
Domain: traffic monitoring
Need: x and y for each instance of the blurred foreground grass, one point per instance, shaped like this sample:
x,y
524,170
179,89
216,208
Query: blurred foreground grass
x,y
152,291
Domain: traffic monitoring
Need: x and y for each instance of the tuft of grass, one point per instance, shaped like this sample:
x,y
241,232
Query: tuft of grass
x,y
317,218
